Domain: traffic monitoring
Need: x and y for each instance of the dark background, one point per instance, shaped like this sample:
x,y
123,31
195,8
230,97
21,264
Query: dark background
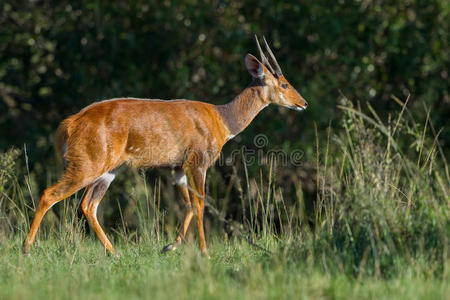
x,y
58,56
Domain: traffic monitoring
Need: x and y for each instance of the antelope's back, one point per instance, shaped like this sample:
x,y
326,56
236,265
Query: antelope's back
x,y
145,133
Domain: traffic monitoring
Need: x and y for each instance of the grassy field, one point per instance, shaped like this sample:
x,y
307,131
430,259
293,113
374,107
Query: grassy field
x,y
236,271
379,227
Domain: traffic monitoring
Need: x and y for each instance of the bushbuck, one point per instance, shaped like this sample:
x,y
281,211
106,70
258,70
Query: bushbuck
x,y
181,134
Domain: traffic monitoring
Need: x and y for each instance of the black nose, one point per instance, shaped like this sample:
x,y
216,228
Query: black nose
x,y
306,103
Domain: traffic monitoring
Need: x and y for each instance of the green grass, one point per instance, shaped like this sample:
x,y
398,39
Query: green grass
x,y
236,270
377,227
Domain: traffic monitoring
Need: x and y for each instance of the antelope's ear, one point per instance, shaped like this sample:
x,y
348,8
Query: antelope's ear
x,y
254,66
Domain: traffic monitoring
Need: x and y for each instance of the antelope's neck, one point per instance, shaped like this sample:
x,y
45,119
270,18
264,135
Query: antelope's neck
x,y
238,114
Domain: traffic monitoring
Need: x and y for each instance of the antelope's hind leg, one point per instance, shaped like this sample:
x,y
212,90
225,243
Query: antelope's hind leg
x,y
61,190
181,181
93,197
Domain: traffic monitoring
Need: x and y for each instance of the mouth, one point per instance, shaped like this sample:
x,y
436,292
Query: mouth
x,y
297,108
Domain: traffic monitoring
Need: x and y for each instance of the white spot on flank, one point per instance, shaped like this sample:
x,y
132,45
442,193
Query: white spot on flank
x,y
131,148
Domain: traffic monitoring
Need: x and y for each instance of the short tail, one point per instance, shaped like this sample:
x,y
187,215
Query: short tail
x,y
62,134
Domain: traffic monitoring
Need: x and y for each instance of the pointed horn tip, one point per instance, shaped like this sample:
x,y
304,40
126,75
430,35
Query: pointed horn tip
x,y
277,66
256,38
264,59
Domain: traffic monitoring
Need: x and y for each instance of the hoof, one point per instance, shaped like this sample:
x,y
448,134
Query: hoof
x,y
113,254
170,247
26,248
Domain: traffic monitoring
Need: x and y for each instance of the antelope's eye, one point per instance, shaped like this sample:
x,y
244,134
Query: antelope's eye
x,y
284,86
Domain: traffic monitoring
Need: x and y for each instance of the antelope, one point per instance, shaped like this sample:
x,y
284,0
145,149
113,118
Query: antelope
x,y
184,135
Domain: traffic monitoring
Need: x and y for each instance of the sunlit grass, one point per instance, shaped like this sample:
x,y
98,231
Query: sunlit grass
x,y
379,227
236,271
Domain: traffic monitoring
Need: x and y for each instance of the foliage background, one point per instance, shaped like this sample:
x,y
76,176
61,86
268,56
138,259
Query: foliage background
x,y
57,57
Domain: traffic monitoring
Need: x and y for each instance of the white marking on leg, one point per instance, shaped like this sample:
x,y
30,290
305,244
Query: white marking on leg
x,y
180,179
95,209
108,177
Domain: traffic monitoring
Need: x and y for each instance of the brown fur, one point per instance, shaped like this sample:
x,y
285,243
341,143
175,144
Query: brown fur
x,y
141,133
183,134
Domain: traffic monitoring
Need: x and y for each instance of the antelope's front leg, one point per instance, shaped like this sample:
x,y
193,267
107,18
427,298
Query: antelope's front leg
x,y
196,179
182,186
